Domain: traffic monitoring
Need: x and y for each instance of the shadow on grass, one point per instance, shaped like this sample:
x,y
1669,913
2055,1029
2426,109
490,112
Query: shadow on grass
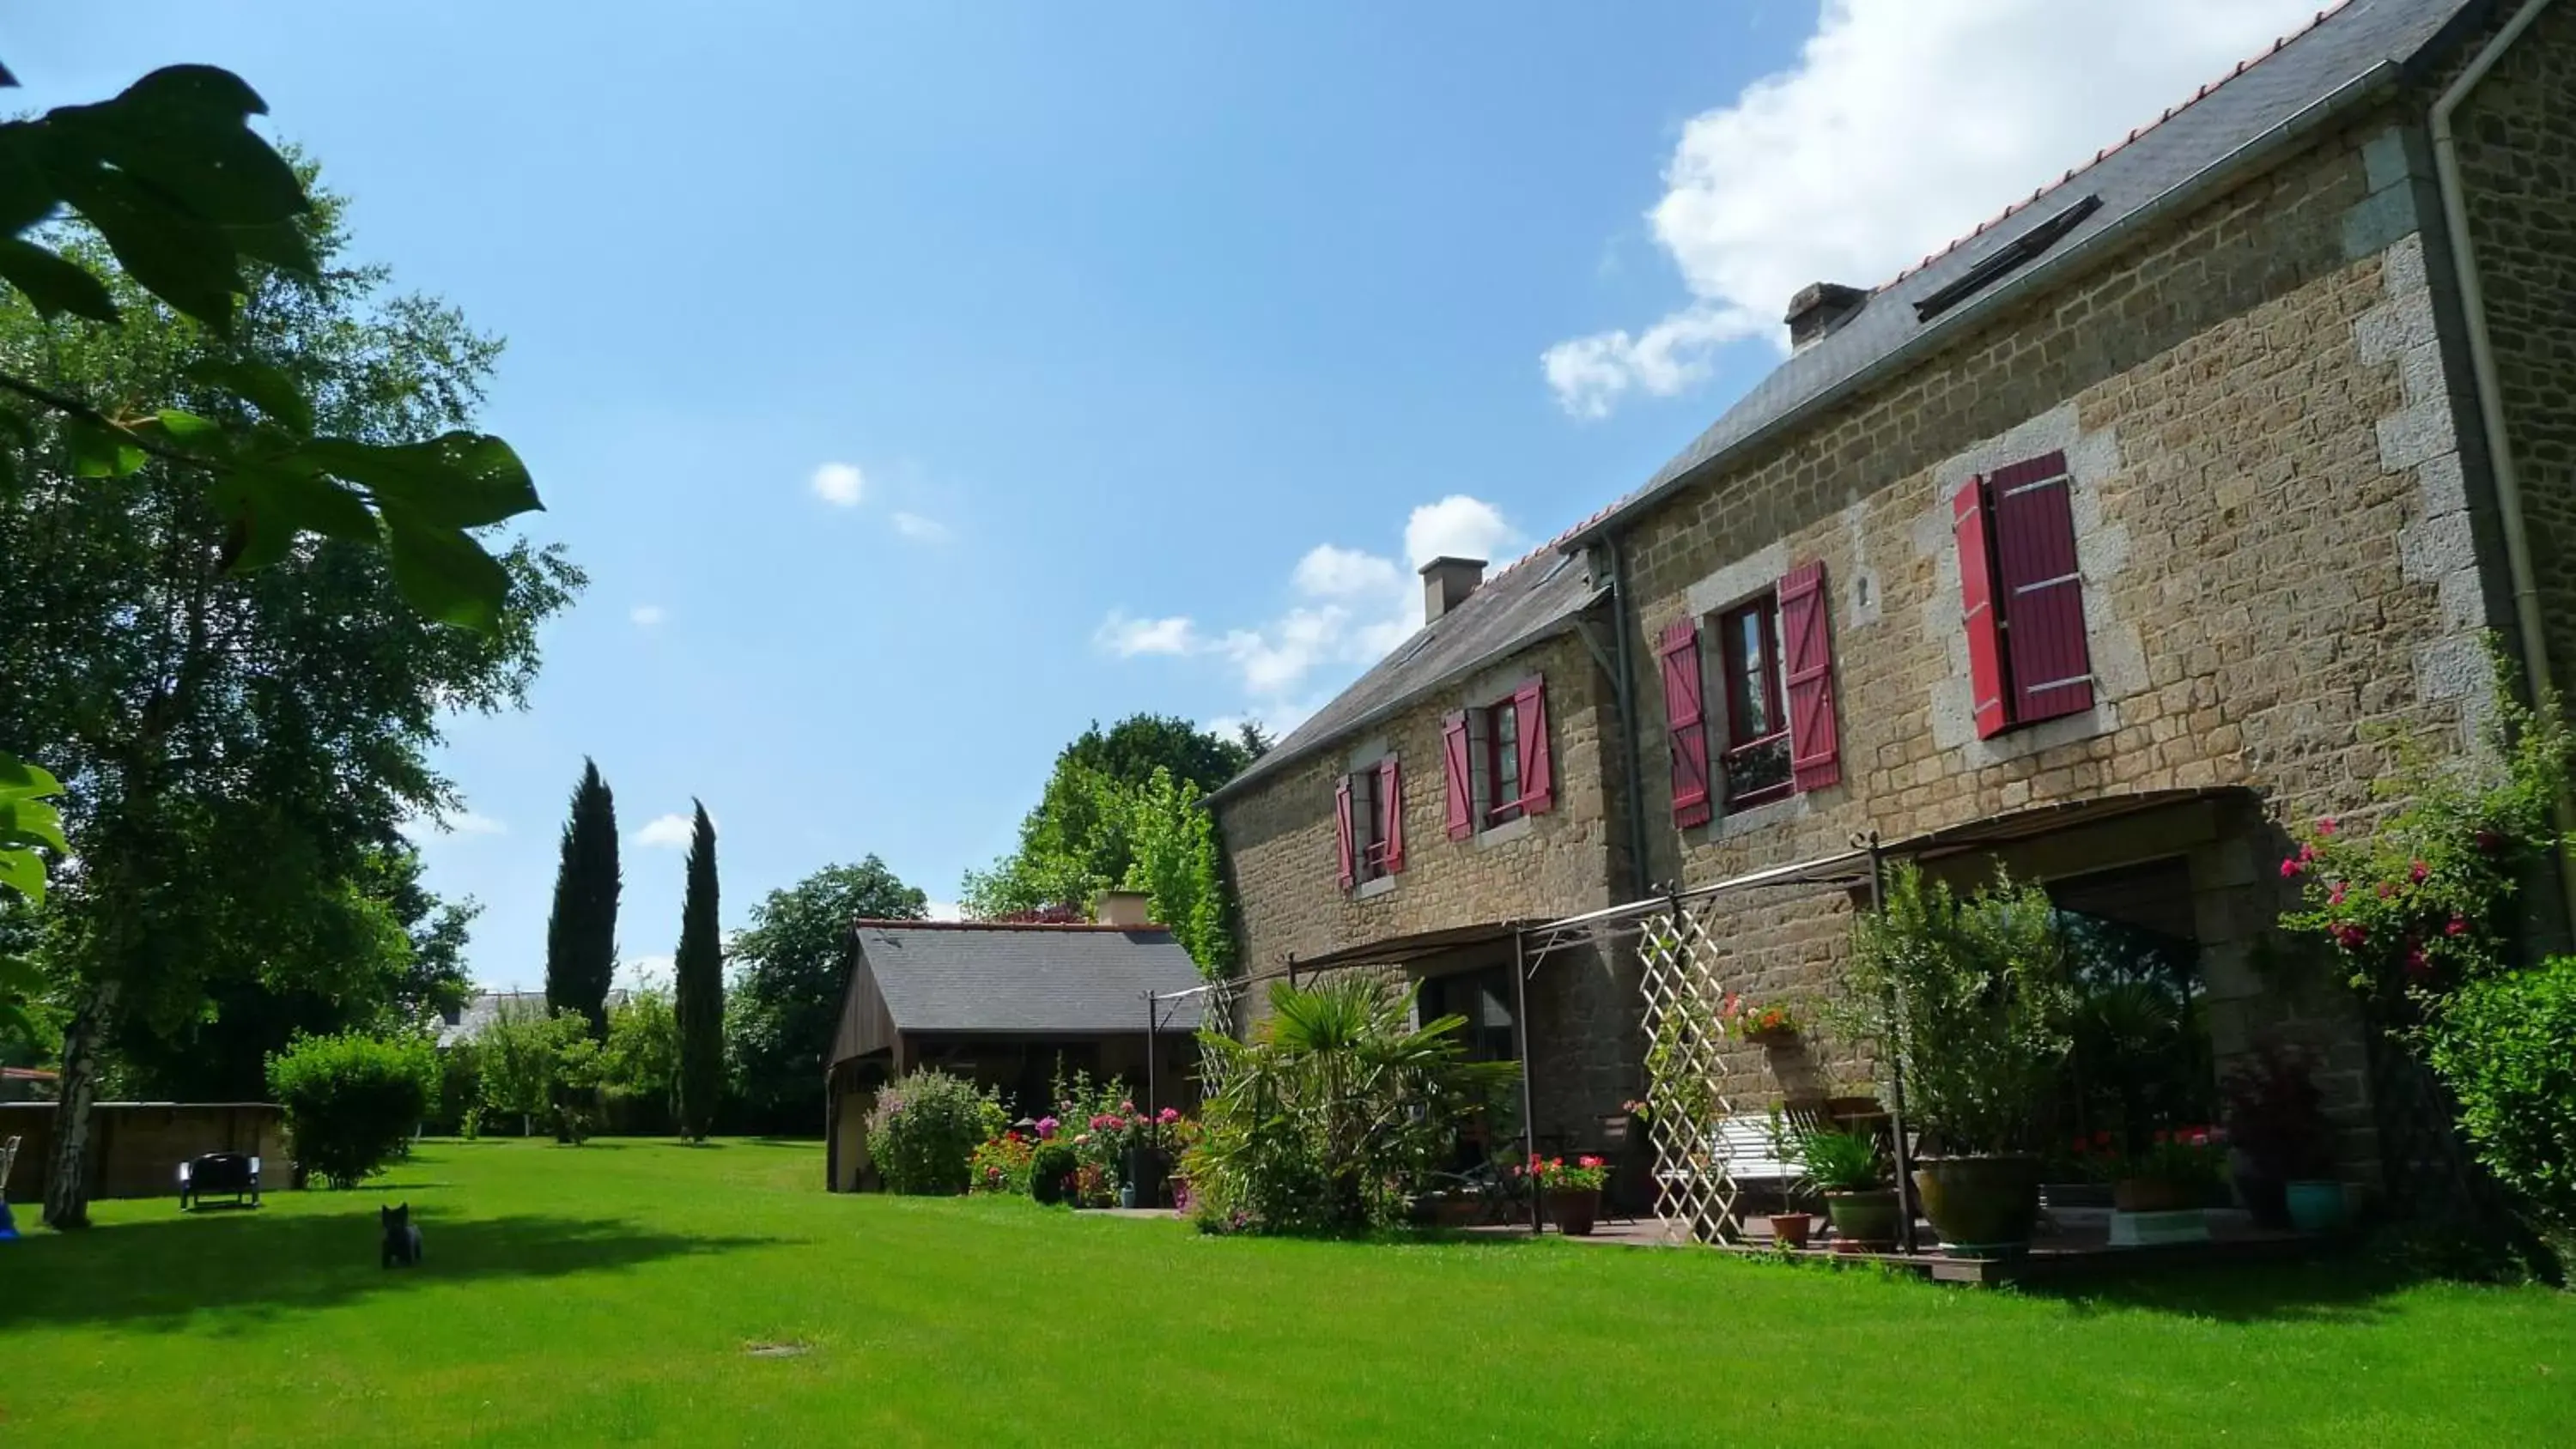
x,y
2327,1288
157,1274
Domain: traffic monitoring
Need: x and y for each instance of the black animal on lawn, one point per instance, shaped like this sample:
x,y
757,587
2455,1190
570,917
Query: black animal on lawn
x,y
402,1240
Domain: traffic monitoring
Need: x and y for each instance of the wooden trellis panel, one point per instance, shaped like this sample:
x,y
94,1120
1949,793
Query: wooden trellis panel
x,y
1684,962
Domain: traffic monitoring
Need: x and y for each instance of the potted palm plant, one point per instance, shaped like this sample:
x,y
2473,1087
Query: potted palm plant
x,y
1847,1168
1968,996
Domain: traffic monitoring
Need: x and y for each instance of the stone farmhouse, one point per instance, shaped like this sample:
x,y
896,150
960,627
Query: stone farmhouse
x,y
2094,546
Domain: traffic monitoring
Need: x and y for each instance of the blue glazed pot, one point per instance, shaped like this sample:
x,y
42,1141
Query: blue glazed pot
x,y
2316,1207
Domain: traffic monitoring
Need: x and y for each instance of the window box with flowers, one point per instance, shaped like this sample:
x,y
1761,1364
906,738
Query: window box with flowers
x,y
1570,1190
2177,1170
1750,1021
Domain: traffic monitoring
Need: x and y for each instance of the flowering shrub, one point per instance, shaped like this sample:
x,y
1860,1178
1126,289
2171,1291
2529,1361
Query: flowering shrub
x,y
1745,1021
2415,905
2183,1156
1003,1164
924,1128
1555,1174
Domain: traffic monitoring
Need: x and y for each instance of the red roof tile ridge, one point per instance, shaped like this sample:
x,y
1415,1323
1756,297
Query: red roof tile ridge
x,y
2107,152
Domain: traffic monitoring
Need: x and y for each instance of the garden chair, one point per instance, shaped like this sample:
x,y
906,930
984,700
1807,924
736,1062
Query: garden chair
x,y
218,1173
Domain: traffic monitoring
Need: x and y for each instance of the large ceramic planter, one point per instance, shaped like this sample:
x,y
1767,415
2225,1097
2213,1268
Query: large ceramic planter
x,y
2152,1195
1574,1210
2317,1206
1864,1222
1980,1204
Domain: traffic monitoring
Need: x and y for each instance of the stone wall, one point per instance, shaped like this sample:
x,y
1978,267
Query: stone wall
x,y
1584,1008
2267,491
2517,149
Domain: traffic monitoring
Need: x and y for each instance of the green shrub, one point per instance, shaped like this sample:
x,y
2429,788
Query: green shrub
x,y
2506,1045
351,1101
923,1132
1051,1172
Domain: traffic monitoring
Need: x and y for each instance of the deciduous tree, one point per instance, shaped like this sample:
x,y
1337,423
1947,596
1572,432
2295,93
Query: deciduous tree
x,y
789,970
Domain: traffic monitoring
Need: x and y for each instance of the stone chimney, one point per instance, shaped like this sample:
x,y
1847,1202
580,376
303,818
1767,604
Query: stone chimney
x,y
1127,910
1818,309
1446,582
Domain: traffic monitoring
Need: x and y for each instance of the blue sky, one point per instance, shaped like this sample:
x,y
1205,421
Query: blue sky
x,y
919,383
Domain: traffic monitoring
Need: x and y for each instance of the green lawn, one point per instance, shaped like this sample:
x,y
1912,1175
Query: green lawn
x,y
607,1294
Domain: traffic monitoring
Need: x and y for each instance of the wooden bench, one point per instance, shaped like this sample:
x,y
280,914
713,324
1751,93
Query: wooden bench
x,y
218,1173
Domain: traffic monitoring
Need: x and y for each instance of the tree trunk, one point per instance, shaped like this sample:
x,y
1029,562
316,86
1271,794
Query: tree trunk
x,y
67,1180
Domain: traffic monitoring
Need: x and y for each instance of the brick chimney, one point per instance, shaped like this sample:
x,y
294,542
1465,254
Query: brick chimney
x,y
1128,910
1818,309
1446,582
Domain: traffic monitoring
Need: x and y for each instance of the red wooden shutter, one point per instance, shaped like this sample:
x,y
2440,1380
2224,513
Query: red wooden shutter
x,y
1462,783
1685,722
1538,776
1806,647
1977,600
1342,825
1390,814
2040,590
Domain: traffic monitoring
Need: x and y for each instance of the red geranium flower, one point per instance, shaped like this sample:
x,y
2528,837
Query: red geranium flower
x,y
2458,927
2289,868
2418,871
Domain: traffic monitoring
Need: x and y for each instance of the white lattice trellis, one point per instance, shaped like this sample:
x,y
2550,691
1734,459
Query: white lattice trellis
x,y
1682,957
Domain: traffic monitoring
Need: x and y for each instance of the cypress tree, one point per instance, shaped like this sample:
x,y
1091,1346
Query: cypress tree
x,y
698,987
581,934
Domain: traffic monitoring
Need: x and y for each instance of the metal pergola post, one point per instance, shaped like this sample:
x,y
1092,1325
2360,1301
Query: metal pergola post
x,y
1520,1028
1895,1066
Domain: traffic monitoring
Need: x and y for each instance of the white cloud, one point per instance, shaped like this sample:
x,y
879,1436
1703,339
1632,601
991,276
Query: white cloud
x,y
667,832
1903,125
1127,638
1457,527
919,529
1352,607
646,616
946,911
839,484
639,972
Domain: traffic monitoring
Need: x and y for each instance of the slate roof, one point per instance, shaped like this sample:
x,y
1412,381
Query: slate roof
x,y
1527,601
2344,44
1072,980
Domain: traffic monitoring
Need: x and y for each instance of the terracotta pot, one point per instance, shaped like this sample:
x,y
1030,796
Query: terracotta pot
x,y
1790,1230
1980,1204
1778,1036
1574,1210
2151,1195
1864,1222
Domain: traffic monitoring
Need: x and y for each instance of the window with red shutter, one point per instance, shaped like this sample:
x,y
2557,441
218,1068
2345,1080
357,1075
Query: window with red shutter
x,y
1390,819
1342,828
1685,722
1502,763
1461,777
1806,643
1979,616
1537,771
1755,767
2039,590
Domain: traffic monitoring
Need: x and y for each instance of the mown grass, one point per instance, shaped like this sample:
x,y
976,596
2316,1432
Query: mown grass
x,y
607,1294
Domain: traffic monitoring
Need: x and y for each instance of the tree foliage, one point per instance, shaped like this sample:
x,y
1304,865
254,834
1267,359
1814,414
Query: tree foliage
x,y
642,1057
581,933
1125,809
790,967
528,1060
698,997
237,747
